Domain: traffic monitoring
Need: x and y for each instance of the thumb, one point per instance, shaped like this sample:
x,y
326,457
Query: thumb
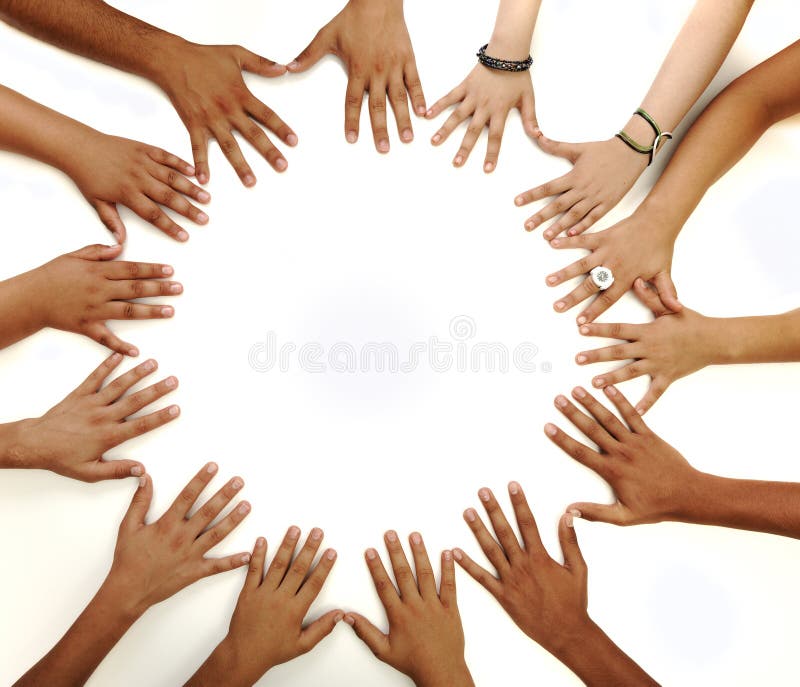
x,y
573,558
667,291
314,52
369,634
314,633
116,469
649,298
568,151
529,122
256,64
98,252
614,514
140,503
109,216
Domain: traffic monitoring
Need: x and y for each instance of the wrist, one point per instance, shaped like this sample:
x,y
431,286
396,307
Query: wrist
x,y
450,675
15,451
226,666
118,592
506,45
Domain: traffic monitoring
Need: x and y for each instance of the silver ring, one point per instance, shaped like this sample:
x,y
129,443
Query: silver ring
x,y
602,277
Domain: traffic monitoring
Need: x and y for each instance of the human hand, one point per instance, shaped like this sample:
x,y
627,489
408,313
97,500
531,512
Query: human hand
x,y
651,480
267,628
154,561
672,346
486,96
425,640
78,292
111,171
602,173
372,41
205,85
636,247
548,601
71,438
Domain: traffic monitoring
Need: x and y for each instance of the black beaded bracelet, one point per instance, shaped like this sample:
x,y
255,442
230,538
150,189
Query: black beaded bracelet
x,y
503,65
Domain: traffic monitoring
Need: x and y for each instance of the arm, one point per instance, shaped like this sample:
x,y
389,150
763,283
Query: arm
x,y
151,563
654,483
604,171
72,437
372,40
106,169
642,245
267,628
203,82
79,292
546,600
425,639
487,95
675,345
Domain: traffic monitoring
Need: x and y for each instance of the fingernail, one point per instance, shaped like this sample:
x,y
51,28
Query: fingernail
x,y
611,391
149,365
171,382
555,242
457,554
174,411
237,483
338,617
294,532
391,536
167,311
291,139
260,542
513,488
519,200
549,235
167,270
350,620
245,558
330,555
416,539
599,383
203,196
133,352
550,430
536,131
115,358
292,65
552,279
448,555
561,402
244,508
572,232
182,236
351,136
582,319
316,534
281,164
249,180
202,218
640,410
581,359
372,554
484,495
470,515
579,392
575,513
585,330
488,167
459,159
137,471
530,226
436,138
420,109
568,520
383,146
211,468
429,113
407,135
142,481
561,305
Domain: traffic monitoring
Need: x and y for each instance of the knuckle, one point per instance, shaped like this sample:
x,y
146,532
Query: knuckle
x,y
128,311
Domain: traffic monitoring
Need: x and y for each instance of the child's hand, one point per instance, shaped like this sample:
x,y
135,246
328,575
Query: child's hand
x,y
80,291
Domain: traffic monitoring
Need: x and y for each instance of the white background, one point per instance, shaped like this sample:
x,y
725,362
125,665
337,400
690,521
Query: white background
x,y
355,247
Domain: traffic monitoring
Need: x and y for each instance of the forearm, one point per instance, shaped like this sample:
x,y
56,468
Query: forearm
x,y
692,62
513,29
596,660
93,29
223,667
764,339
73,660
35,131
19,312
726,131
771,507
13,454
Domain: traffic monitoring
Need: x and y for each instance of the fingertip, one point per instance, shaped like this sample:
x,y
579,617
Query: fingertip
x,y
550,430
